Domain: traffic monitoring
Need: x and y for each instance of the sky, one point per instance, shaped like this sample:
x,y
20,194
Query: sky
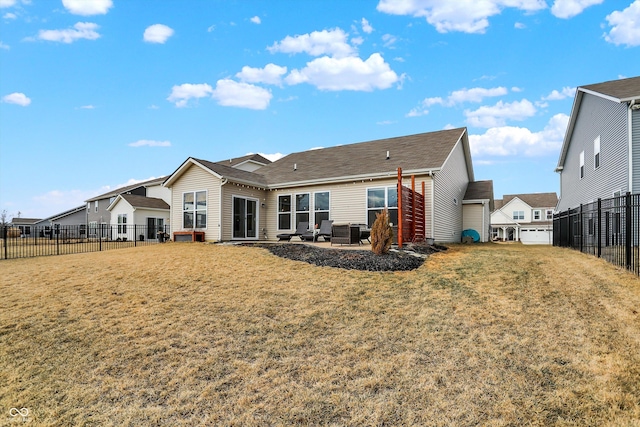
x,y
97,94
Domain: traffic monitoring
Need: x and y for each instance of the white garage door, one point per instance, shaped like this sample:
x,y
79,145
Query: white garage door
x,y
535,237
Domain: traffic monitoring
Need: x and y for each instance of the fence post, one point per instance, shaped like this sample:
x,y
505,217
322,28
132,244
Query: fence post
x,y
135,235
580,217
599,227
4,238
628,225
57,227
100,236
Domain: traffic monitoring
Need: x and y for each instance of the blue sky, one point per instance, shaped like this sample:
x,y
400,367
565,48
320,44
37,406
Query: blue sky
x,y
96,94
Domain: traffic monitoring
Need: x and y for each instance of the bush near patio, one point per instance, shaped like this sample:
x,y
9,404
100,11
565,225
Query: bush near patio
x,y
381,234
188,334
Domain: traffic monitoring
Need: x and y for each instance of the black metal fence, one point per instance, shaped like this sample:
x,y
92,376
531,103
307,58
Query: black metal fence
x,y
32,241
607,228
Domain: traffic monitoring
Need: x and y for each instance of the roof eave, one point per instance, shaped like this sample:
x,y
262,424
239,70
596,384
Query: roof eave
x,y
347,178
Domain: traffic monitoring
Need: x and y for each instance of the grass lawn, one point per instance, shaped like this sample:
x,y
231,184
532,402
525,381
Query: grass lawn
x,y
195,334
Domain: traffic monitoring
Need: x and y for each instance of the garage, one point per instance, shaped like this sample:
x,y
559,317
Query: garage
x,y
536,236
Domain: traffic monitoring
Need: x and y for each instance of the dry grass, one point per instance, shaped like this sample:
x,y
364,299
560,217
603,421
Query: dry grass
x,y
193,334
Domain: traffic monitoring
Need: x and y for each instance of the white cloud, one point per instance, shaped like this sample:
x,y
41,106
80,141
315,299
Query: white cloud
x,y
389,40
273,157
4,46
350,73
256,20
519,26
87,7
270,74
509,140
82,30
10,15
385,122
211,29
7,3
570,8
325,42
157,33
464,16
17,98
357,41
87,107
230,93
497,115
476,94
366,27
150,143
180,95
625,26
565,92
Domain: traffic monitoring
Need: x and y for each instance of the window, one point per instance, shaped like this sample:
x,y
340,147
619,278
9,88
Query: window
x,y
537,215
96,205
88,207
581,164
194,209
518,215
284,212
380,198
93,228
320,207
122,223
302,208
596,153
549,214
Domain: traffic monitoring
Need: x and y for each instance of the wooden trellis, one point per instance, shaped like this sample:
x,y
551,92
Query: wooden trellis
x,y
411,212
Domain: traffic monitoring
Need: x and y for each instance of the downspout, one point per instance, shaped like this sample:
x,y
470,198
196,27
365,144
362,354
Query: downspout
x,y
630,136
223,182
484,228
433,206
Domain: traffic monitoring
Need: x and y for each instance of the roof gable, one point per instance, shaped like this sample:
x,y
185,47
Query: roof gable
x,y
113,193
140,202
623,90
219,171
534,200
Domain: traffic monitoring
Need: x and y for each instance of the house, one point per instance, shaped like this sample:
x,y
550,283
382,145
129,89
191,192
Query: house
x,y
140,217
25,225
97,208
347,183
600,156
527,218
73,221
477,205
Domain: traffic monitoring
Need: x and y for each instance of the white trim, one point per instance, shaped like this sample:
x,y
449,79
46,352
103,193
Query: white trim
x,y
296,211
630,145
195,220
313,208
257,211
596,152
290,212
386,200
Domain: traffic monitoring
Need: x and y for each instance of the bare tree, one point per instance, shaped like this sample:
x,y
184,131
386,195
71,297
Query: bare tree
x,y
4,218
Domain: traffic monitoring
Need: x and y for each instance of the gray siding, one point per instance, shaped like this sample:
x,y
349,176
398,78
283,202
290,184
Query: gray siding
x,y
607,119
635,125
450,185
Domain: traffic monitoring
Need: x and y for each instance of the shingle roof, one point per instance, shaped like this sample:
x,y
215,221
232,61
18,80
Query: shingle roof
x,y
126,188
535,200
480,190
145,202
25,220
234,173
622,89
412,153
237,160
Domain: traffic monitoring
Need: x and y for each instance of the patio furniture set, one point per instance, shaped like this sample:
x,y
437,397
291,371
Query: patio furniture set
x,y
344,234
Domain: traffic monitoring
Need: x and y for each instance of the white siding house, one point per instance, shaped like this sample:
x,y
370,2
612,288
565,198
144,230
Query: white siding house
x,y
526,218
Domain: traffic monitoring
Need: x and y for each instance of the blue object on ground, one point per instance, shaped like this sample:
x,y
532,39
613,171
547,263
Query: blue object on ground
x,y
471,233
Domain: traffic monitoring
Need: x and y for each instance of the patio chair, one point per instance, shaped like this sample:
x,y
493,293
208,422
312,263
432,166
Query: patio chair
x,y
303,227
324,231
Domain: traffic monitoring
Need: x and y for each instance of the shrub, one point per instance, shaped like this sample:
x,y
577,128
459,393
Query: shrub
x,y
381,234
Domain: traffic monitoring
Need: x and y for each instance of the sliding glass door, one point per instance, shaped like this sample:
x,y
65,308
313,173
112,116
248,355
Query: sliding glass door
x,y
245,218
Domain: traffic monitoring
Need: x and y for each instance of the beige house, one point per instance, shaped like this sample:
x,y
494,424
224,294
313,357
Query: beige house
x,y
347,184
526,218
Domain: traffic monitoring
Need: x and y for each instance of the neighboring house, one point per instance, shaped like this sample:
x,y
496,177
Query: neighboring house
x,y
73,220
347,183
477,206
527,218
25,225
138,216
600,156
97,208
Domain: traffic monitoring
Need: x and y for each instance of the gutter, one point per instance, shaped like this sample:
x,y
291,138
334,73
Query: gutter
x,y
223,182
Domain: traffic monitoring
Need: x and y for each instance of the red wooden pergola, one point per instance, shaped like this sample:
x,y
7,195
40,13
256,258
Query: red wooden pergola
x,y
411,213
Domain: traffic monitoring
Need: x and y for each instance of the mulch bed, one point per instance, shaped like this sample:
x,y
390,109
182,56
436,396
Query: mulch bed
x,y
353,259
